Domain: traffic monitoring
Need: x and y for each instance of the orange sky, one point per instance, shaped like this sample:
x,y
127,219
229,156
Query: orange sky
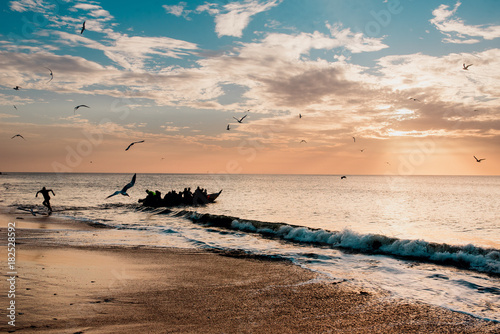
x,y
177,75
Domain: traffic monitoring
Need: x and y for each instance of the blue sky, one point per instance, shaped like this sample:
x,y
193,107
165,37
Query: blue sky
x,y
175,73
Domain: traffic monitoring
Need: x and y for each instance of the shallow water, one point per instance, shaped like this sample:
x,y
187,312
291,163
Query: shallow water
x,y
430,238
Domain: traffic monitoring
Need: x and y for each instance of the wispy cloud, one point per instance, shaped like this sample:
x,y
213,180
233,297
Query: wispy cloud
x,y
234,17
178,10
457,31
39,6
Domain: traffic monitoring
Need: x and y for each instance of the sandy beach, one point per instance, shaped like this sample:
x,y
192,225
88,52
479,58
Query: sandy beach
x,y
94,289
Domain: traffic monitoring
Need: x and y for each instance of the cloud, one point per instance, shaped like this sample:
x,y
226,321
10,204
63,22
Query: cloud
x,y
235,16
177,10
355,42
443,77
39,6
457,31
170,128
129,52
211,8
8,116
279,77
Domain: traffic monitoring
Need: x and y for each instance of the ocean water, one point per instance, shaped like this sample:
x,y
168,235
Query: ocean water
x,y
434,239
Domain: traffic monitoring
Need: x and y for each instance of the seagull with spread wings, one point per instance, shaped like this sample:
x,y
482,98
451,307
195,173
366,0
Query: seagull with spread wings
x,y
124,190
478,160
83,28
136,142
240,120
81,105
51,74
17,136
228,127
466,67
16,88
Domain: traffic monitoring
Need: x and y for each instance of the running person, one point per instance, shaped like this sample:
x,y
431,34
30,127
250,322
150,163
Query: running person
x,y
46,197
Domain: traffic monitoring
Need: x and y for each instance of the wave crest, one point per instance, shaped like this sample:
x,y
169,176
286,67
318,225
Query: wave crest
x,y
469,256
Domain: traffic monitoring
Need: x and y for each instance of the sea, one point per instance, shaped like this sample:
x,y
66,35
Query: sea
x,y
429,239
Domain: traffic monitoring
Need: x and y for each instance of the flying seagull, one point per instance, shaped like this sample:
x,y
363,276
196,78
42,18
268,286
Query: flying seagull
x,y
362,150
240,120
416,100
300,115
16,88
136,142
354,138
124,190
83,28
15,106
17,136
51,74
466,67
228,128
478,160
81,105
303,141
343,177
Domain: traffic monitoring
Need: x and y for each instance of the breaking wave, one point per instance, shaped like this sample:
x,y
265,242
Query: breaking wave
x,y
469,256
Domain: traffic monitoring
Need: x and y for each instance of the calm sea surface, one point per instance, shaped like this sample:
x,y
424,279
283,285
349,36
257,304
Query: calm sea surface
x,y
430,238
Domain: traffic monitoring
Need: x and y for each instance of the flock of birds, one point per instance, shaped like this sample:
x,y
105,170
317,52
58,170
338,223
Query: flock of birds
x,y
228,128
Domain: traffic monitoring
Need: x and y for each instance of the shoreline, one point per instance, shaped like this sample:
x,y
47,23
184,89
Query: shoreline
x,y
102,289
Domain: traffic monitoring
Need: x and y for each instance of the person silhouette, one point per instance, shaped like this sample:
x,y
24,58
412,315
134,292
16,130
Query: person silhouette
x,y
46,197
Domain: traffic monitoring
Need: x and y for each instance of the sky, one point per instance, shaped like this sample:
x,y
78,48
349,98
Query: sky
x,y
328,86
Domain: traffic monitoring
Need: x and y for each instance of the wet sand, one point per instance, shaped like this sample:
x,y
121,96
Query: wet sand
x,y
91,289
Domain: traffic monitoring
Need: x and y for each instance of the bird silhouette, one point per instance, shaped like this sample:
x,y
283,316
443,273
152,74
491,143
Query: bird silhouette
x,y
16,88
300,115
354,138
228,128
17,136
240,120
124,190
81,105
15,106
51,74
83,28
466,67
416,100
343,177
303,141
136,142
362,150
478,160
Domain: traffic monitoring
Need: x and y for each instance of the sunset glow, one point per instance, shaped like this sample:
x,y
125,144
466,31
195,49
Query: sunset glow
x,y
175,74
